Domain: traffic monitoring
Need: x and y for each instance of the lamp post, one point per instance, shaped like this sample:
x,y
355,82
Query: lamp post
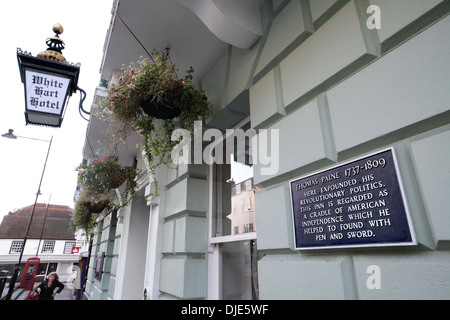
x,y
43,225
12,282
49,80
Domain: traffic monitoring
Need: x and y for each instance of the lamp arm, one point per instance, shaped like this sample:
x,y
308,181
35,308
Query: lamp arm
x,y
82,115
82,98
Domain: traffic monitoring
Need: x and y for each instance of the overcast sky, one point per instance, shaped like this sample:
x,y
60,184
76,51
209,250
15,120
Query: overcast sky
x,y
27,24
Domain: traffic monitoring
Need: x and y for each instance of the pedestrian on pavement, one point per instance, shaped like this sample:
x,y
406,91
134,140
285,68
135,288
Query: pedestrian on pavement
x,y
47,288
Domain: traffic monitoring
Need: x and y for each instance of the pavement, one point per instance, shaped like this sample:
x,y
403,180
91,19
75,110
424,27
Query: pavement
x,y
66,294
20,294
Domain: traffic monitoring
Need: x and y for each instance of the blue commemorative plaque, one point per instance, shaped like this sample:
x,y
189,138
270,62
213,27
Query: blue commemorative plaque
x,y
356,204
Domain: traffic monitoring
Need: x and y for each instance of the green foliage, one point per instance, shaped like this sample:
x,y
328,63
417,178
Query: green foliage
x,y
101,176
98,179
154,80
83,216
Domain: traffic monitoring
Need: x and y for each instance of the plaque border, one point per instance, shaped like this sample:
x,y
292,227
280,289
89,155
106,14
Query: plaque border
x,y
413,241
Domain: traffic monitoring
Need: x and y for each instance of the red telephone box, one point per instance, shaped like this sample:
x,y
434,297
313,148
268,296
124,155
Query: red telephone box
x,y
29,273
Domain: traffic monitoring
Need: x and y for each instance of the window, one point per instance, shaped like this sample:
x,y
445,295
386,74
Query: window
x,y
68,247
48,246
16,247
239,270
52,267
42,270
233,254
226,181
46,268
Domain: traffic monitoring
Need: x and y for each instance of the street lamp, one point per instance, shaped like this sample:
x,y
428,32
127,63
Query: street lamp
x,y
10,134
12,282
49,80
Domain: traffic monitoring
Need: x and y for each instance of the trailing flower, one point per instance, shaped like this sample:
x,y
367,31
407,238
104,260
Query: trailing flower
x,y
149,98
86,212
101,176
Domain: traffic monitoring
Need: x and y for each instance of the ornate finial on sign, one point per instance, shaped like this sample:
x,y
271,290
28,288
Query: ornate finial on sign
x,y
58,29
55,46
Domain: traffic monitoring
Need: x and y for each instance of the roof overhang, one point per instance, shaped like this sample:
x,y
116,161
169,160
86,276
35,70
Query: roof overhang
x,y
197,32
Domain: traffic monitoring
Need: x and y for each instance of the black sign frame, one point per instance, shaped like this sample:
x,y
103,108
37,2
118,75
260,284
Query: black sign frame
x,y
359,203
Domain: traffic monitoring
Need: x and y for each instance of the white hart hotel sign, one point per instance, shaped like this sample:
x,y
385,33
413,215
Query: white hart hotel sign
x,y
45,93
48,86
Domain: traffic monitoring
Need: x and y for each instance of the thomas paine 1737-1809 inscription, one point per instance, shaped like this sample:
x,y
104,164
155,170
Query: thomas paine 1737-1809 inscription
x,y
357,204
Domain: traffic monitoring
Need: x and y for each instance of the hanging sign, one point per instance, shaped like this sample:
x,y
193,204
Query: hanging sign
x,y
48,85
356,204
45,93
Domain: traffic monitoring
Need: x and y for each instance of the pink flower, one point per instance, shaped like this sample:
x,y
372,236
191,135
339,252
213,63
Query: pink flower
x,y
183,83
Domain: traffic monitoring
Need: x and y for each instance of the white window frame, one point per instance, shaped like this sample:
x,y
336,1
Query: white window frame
x,y
214,255
238,188
68,246
14,249
47,246
248,185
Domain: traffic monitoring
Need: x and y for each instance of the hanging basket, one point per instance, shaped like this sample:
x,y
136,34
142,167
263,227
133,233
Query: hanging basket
x,y
160,110
96,207
119,179
169,107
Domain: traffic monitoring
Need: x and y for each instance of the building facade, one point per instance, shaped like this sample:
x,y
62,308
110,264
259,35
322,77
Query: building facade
x,y
242,215
51,239
326,88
